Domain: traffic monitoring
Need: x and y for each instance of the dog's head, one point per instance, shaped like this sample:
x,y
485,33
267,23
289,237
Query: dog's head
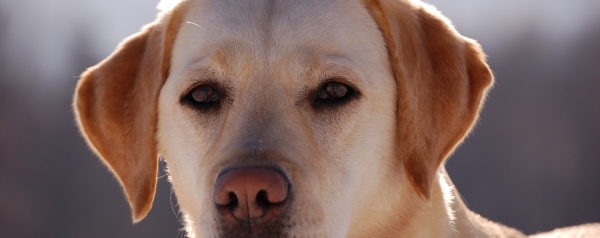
x,y
286,118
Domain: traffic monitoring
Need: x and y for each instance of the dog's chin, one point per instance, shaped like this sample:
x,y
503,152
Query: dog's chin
x,y
254,228
275,223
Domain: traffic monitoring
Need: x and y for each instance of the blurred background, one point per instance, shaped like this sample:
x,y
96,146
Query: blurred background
x,y
532,163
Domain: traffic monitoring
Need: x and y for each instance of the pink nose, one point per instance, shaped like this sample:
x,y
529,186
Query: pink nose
x,y
249,193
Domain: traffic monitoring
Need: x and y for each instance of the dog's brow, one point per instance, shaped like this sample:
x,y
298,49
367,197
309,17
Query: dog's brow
x,y
345,72
196,75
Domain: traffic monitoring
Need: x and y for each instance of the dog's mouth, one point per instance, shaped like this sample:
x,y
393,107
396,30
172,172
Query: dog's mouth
x,y
254,227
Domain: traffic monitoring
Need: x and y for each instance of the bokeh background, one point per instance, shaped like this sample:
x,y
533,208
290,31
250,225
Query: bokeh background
x,y
533,161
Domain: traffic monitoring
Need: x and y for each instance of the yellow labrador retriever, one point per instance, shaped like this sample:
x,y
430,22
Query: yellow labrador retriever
x,y
294,118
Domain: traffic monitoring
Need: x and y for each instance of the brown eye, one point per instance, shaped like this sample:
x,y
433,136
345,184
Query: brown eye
x,y
334,94
334,91
203,97
204,94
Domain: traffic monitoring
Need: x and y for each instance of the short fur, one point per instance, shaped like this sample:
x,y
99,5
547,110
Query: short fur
x,y
371,167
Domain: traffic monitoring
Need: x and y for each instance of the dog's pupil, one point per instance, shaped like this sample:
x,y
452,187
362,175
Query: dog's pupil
x,y
203,94
336,90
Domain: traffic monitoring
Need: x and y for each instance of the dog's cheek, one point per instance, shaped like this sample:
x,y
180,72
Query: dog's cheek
x,y
338,179
183,146
371,156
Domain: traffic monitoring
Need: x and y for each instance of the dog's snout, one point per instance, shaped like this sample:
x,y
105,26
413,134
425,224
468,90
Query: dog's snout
x,y
249,193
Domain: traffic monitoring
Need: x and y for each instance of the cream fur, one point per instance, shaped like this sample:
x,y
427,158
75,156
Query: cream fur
x,y
374,168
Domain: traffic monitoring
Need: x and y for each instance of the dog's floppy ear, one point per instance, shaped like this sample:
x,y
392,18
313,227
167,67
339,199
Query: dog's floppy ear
x,y
115,105
442,81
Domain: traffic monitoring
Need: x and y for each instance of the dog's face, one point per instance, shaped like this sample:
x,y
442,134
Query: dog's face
x,y
286,118
304,87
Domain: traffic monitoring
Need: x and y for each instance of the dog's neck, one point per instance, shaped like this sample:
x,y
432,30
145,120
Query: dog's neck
x,y
464,222
446,215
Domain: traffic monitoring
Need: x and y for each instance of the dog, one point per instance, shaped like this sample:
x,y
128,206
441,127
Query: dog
x,y
294,118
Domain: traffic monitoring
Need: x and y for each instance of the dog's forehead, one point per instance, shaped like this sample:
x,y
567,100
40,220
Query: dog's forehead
x,y
271,33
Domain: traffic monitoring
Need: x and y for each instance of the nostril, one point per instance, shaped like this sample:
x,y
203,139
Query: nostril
x,y
262,200
226,199
233,200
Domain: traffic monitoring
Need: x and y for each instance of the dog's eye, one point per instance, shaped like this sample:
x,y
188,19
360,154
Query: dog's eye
x,y
203,96
333,94
334,91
